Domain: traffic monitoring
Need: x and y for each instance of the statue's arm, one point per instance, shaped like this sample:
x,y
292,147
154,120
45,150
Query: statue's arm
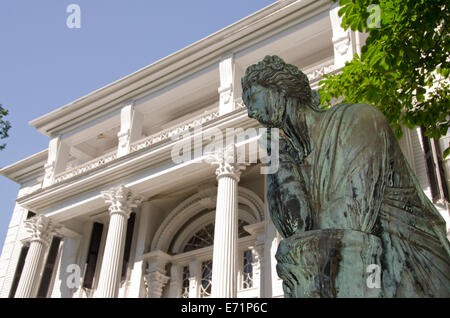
x,y
288,200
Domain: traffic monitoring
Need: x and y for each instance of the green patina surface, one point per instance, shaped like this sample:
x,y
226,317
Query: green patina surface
x,y
344,197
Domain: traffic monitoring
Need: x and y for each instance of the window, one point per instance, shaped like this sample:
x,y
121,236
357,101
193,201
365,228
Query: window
x,y
47,275
205,287
30,214
202,238
205,236
247,273
431,170
128,240
91,261
186,282
19,269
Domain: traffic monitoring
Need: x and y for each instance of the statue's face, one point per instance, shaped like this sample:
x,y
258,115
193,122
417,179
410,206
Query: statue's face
x,y
259,104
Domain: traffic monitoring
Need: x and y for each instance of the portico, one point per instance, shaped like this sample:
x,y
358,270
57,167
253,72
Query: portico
x,y
151,261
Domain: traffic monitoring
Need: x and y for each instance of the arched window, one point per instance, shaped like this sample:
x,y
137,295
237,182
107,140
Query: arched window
x,y
205,236
206,280
187,235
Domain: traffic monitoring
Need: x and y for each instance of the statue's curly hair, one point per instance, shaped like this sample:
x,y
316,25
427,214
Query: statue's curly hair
x,y
274,73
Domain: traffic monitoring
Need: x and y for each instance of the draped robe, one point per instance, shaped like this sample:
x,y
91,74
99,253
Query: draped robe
x,y
356,178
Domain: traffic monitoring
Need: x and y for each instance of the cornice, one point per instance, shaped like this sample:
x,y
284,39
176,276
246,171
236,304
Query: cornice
x,y
26,168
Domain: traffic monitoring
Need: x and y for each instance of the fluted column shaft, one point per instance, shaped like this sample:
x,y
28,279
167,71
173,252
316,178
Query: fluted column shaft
x,y
224,272
121,202
42,230
108,285
31,270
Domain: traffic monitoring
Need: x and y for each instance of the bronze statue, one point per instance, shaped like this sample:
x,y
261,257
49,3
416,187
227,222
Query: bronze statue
x,y
344,198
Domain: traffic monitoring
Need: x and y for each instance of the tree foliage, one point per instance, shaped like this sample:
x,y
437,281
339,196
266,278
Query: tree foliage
x,y
404,65
4,126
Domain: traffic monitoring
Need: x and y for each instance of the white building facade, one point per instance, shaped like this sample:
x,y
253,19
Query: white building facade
x,y
106,211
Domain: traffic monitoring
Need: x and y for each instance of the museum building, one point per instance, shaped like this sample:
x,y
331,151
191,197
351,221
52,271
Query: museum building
x,y
107,211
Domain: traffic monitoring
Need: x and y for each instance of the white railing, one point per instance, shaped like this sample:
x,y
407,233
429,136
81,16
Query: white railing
x,y
319,72
313,75
177,130
85,167
147,142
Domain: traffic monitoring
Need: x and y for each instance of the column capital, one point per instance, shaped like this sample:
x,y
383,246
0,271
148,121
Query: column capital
x,y
226,159
121,200
155,282
42,229
156,277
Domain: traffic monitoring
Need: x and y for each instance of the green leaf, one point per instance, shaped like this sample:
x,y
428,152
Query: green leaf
x,y
371,93
446,153
4,126
344,2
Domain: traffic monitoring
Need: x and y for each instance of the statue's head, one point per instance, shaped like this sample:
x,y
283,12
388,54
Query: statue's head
x,y
268,85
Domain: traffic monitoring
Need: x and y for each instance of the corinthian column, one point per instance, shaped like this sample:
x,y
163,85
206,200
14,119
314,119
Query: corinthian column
x,y
42,230
224,272
121,201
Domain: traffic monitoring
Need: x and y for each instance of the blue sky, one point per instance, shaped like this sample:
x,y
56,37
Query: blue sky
x,y
45,65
